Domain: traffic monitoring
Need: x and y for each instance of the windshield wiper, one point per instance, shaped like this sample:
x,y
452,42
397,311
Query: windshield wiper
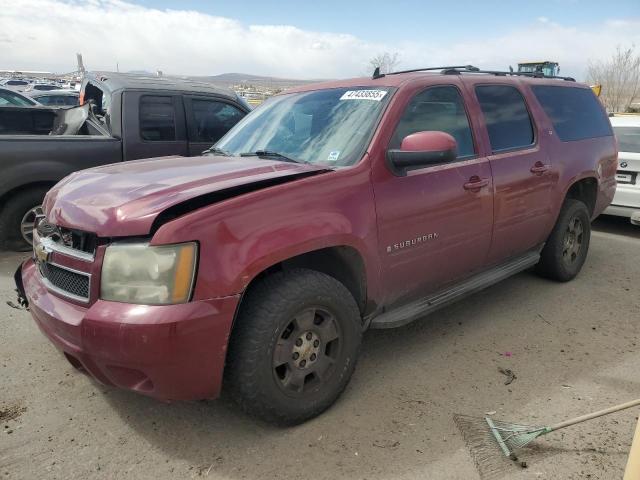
x,y
216,151
269,153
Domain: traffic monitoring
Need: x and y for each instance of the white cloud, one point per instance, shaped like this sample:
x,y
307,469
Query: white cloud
x,y
45,34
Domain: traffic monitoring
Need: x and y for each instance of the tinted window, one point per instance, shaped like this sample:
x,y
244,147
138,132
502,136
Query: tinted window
x,y
71,100
506,116
10,98
17,82
211,120
157,118
628,139
45,100
436,109
575,113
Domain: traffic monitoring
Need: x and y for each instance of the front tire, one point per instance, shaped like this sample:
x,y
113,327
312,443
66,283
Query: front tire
x,y
566,249
294,346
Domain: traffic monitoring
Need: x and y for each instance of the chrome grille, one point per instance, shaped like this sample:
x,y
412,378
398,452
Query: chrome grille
x,y
67,282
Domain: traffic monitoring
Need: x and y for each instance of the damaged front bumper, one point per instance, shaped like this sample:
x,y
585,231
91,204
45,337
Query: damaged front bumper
x,y
169,352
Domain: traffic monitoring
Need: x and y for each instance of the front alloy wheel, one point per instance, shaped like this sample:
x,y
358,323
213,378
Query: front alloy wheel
x,y
28,223
293,347
306,351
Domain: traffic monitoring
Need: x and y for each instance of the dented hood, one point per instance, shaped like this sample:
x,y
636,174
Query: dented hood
x,y
125,198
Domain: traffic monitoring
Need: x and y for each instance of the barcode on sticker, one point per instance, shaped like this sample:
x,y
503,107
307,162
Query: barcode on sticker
x,y
375,95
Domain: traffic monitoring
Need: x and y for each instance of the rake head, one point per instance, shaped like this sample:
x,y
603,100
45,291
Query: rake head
x,y
492,442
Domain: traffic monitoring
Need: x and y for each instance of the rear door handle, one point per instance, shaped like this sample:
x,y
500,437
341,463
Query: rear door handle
x,y
540,167
476,183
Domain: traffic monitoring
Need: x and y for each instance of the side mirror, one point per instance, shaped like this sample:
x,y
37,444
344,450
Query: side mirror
x,y
421,149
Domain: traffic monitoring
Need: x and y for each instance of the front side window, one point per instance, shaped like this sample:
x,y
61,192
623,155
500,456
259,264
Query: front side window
x,y
157,118
575,112
327,127
506,116
212,119
437,109
628,139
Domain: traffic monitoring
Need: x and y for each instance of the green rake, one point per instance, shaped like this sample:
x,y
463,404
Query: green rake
x,y
486,437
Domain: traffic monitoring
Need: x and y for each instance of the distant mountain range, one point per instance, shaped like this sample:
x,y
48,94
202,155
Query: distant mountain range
x,y
228,79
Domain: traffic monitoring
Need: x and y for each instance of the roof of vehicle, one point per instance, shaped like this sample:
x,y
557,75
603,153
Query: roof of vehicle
x,y
114,81
625,120
400,78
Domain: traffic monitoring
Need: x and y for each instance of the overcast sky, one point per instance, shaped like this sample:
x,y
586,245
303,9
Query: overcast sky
x,y
298,39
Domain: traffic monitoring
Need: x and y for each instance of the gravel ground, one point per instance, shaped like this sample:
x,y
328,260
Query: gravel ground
x,y
573,348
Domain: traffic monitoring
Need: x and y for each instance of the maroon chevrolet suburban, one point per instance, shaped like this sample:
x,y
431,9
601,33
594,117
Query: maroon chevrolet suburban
x,y
330,209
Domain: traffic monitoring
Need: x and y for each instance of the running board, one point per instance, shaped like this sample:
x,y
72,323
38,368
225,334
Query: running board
x,y
412,311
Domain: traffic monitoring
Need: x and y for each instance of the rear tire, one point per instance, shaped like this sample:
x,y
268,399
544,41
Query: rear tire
x,y
566,249
294,346
12,214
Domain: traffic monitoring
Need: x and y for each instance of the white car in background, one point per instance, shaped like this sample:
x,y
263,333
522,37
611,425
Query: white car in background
x,y
626,202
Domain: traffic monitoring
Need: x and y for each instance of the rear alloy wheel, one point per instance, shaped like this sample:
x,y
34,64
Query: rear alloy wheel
x,y
566,249
293,347
573,238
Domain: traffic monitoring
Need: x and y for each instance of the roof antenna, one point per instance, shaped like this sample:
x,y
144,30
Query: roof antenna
x,y
377,74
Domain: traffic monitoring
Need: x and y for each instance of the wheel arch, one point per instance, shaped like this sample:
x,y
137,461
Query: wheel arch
x,y
584,189
26,186
342,262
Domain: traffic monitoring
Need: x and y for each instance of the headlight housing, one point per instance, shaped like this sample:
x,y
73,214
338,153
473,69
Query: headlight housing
x,y
148,275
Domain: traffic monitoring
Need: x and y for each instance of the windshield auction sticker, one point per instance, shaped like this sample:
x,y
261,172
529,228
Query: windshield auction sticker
x,y
375,95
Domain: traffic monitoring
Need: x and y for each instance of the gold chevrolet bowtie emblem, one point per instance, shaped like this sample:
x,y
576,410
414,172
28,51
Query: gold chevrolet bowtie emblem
x,y
41,253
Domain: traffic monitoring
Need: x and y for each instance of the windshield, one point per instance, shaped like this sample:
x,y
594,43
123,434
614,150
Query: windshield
x,y
628,139
327,127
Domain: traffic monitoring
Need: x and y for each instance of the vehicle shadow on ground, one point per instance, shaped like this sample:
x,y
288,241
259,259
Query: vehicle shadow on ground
x,y
408,384
616,225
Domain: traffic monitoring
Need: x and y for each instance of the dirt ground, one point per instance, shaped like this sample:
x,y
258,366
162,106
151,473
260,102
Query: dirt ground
x,y
573,347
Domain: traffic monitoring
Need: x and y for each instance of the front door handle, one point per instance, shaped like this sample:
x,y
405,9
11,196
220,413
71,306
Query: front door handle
x,y
540,168
476,183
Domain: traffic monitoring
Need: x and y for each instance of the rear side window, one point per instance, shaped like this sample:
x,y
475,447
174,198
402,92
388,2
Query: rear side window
x,y
46,100
506,115
436,109
212,119
575,112
71,100
157,118
628,139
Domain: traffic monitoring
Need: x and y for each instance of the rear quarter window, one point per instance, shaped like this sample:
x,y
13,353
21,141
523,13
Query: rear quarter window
x,y
576,113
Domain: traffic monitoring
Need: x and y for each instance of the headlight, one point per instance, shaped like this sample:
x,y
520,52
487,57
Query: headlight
x,y
139,273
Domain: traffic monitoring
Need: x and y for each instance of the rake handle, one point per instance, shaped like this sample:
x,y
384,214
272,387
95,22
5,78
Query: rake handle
x,y
584,418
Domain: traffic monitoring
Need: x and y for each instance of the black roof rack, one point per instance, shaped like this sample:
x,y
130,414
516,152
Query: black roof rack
x,y
458,69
